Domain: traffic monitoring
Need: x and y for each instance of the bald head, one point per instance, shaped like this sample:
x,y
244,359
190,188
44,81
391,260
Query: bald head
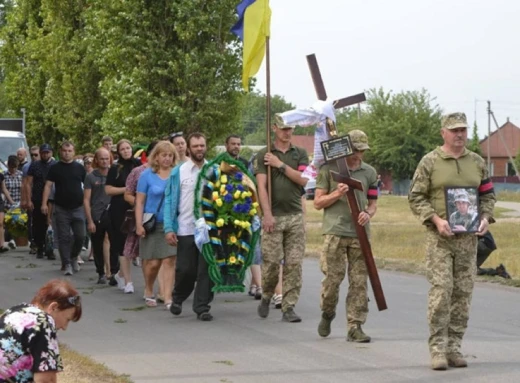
x,y
21,154
101,159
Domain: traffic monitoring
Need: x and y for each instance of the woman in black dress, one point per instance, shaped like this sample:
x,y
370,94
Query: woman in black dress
x,y
115,187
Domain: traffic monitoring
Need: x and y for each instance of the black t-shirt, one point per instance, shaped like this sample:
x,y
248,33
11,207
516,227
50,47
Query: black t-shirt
x,y
68,181
38,171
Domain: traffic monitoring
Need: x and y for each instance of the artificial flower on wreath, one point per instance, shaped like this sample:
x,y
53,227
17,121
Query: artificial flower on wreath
x,y
16,221
228,201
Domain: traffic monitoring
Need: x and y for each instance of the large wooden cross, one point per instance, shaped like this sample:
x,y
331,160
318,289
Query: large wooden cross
x,y
344,177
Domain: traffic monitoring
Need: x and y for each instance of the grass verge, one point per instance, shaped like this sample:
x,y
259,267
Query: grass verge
x,y
509,196
398,238
79,368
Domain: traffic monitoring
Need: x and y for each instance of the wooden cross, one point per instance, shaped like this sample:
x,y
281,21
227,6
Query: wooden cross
x,y
344,177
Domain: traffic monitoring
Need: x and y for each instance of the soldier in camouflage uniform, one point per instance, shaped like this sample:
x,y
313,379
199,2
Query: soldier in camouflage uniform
x,y
463,219
341,242
450,258
283,226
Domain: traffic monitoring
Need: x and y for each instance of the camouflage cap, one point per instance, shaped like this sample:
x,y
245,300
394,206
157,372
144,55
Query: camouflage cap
x,y
454,121
359,139
462,196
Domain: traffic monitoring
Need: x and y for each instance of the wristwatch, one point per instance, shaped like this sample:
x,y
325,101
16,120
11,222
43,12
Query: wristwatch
x,y
282,168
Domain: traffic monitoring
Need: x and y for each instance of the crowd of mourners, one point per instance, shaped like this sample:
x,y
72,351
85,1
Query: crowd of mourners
x,y
74,200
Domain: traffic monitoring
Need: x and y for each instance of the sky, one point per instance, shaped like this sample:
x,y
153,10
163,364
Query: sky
x,y
464,52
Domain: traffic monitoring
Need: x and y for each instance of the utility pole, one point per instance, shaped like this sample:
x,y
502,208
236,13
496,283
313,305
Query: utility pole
x,y
489,139
23,121
359,111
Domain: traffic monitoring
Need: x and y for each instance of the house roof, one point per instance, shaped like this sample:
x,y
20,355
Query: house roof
x,y
507,136
306,142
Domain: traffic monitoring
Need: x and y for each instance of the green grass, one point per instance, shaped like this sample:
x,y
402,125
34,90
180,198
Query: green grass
x,y
509,196
398,237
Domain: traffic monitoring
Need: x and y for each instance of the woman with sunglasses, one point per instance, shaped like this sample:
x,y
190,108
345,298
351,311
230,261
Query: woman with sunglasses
x,y
29,350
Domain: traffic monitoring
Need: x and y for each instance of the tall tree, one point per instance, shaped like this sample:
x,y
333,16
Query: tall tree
x,y
402,128
253,113
166,66
474,142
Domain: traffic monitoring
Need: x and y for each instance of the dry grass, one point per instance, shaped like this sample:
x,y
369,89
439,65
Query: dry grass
x,y
398,238
509,196
79,368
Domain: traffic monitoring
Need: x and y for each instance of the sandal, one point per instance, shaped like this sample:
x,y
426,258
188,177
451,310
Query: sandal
x,y
168,305
150,301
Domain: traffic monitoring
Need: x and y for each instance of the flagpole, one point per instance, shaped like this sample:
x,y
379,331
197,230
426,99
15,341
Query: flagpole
x,y
268,111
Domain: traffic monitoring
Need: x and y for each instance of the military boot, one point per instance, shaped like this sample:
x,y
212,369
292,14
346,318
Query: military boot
x,y
456,360
290,316
356,334
439,362
324,326
263,308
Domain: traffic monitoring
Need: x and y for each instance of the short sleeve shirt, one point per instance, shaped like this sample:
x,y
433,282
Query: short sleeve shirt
x,y
337,218
13,183
38,170
99,200
68,179
133,178
153,186
28,344
286,195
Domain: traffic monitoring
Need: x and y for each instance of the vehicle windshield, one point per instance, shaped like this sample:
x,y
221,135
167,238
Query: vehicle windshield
x,y
9,146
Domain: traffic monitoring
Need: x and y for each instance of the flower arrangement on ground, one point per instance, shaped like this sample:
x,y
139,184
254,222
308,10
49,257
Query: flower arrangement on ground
x,y
16,221
228,202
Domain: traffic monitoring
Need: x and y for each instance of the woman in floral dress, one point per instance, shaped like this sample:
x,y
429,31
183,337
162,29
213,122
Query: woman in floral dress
x,y
29,350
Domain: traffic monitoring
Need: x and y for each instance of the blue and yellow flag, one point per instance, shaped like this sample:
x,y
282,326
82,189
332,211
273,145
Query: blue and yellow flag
x,y
253,26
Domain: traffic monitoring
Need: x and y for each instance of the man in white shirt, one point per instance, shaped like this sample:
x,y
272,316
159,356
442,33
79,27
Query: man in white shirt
x,y
179,226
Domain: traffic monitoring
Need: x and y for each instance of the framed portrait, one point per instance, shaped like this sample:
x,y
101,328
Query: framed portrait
x,y
462,209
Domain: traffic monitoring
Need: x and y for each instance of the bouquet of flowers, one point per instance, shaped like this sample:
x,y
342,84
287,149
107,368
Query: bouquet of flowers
x,y
16,222
229,204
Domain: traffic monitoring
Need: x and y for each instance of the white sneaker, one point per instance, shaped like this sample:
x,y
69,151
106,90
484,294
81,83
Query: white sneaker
x,y
120,281
129,288
75,265
68,270
11,244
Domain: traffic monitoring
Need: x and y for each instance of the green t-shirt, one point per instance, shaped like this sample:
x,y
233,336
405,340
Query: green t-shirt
x,y
286,195
337,218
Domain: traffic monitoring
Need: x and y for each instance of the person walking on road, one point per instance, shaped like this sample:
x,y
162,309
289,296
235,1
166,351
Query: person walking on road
x,y
450,258
341,242
283,225
179,229
36,178
67,176
96,202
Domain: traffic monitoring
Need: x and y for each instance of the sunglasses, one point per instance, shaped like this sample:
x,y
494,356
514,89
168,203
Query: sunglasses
x,y
178,134
35,154
74,301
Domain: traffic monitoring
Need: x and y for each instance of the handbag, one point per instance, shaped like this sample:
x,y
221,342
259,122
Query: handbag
x,y
150,220
128,225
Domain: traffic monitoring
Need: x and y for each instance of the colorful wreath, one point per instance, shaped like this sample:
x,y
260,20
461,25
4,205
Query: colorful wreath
x,y
226,198
16,222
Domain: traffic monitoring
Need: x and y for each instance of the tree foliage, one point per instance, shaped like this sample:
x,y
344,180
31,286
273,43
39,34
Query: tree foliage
x,y
474,142
135,69
253,122
402,128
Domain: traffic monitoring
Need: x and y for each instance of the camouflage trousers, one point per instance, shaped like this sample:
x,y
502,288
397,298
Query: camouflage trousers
x,y
287,243
333,264
451,265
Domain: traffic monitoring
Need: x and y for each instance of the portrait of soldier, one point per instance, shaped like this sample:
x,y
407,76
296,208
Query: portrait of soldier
x,y
465,218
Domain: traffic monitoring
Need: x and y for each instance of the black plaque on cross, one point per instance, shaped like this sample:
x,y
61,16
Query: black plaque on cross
x,y
332,152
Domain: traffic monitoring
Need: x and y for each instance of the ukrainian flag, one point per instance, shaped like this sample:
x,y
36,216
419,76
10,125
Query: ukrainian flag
x,y
253,26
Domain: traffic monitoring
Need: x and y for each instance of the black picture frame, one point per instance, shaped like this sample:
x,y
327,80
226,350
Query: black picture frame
x,y
463,217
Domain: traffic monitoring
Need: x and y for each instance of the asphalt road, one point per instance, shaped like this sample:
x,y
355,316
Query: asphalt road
x,y
154,346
